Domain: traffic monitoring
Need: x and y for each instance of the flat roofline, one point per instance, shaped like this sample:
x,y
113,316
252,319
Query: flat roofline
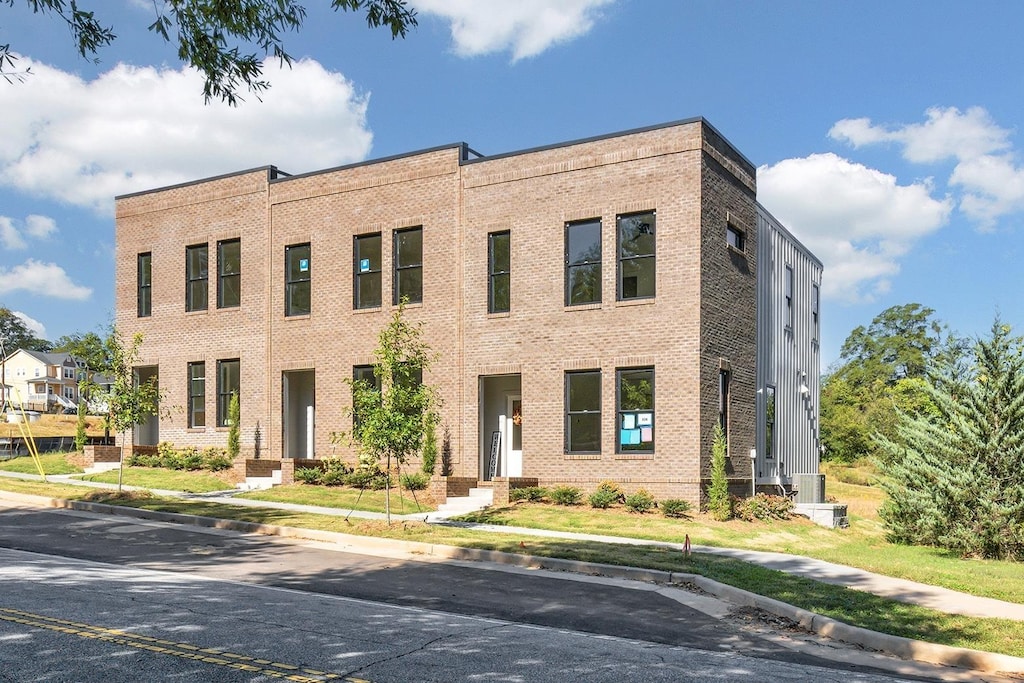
x,y
272,173
621,133
464,152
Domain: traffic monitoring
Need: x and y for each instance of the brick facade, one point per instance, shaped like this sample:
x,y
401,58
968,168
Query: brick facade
x,y
701,319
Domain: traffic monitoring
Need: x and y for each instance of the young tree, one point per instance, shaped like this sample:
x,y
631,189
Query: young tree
x,y
234,431
388,423
954,479
206,33
81,437
719,504
429,446
129,403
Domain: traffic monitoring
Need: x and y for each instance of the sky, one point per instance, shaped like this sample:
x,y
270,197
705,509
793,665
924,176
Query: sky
x,y
885,133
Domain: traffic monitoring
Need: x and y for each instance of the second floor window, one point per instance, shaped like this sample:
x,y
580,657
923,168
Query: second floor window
x,y
145,285
297,280
229,273
196,274
788,284
409,265
636,255
499,264
583,262
366,285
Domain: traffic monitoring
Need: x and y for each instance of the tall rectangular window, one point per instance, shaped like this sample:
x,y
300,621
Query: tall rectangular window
x,y
634,389
583,262
789,296
366,283
583,411
228,382
636,255
769,422
197,394
499,268
409,265
815,303
724,381
196,277
297,279
229,274
365,377
145,285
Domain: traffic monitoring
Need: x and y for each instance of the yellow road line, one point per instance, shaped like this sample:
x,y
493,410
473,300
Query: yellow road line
x,y
214,656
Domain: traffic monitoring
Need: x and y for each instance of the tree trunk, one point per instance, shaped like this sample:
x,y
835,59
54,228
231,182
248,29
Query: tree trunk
x,y
387,491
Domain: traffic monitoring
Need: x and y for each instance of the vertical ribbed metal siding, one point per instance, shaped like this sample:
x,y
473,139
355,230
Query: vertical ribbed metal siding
x,y
787,358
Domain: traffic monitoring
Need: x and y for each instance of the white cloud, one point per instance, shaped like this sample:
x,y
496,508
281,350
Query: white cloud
x,y
37,329
985,170
12,236
857,220
46,279
525,27
133,128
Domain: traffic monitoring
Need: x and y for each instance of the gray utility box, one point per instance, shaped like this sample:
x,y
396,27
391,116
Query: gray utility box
x,y
810,488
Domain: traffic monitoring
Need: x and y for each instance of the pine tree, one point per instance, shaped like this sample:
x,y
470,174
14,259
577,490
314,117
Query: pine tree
x,y
955,479
81,437
235,430
719,504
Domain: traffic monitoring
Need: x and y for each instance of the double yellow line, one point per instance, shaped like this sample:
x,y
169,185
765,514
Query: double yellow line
x,y
213,656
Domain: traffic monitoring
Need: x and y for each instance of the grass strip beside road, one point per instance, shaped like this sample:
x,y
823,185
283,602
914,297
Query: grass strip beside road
x,y
850,606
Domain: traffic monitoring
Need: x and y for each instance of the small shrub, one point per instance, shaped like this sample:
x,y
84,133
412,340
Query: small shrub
x,y
308,475
603,499
640,502
763,507
215,459
429,446
609,486
171,460
415,481
333,477
676,508
365,478
566,495
533,494
143,460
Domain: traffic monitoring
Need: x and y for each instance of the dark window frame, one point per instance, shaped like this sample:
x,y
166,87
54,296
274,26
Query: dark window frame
x,y
736,238
621,260
399,269
788,293
569,412
724,398
292,284
144,282
196,399
571,266
194,280
225,279
224,392
815,311
359,276
620,413
771,407
496,274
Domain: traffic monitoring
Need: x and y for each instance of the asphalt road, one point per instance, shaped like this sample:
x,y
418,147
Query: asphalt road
x,y
142,597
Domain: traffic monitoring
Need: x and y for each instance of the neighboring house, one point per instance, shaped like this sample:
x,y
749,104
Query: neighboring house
x,y
597,306
42,381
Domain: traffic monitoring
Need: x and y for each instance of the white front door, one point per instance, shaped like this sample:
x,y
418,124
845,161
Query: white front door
x,y
513,436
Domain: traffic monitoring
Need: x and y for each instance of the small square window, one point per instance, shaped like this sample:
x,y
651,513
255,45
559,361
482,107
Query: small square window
x,y
735,238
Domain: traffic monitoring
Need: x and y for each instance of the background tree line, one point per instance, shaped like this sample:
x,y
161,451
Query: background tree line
x,y
942,416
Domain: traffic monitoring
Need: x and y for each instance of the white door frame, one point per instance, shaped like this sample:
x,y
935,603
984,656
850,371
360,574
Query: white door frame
x,y
513,459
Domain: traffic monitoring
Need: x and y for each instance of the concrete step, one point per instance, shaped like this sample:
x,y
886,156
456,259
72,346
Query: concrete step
x,y
102,467
254,483
478,499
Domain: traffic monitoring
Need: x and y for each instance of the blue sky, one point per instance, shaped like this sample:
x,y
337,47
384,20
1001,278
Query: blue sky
x,y
886,134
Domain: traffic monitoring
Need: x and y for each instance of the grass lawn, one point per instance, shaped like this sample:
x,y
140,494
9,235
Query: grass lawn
x,y
167,480
53,463
344,498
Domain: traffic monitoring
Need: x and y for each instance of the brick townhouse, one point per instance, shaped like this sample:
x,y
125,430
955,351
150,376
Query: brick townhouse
x,y
597,306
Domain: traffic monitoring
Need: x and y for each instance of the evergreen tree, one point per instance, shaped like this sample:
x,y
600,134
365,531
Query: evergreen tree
x,y
955,478
81,438
719,504
234,431
430,445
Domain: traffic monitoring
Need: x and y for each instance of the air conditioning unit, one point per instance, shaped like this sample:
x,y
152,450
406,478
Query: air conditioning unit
x,y
810,488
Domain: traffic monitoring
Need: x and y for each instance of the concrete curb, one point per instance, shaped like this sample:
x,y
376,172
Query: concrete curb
x,y
905,648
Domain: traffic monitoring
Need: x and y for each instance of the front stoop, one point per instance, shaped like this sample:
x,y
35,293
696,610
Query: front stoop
x,y
102,467
254,483
478,499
